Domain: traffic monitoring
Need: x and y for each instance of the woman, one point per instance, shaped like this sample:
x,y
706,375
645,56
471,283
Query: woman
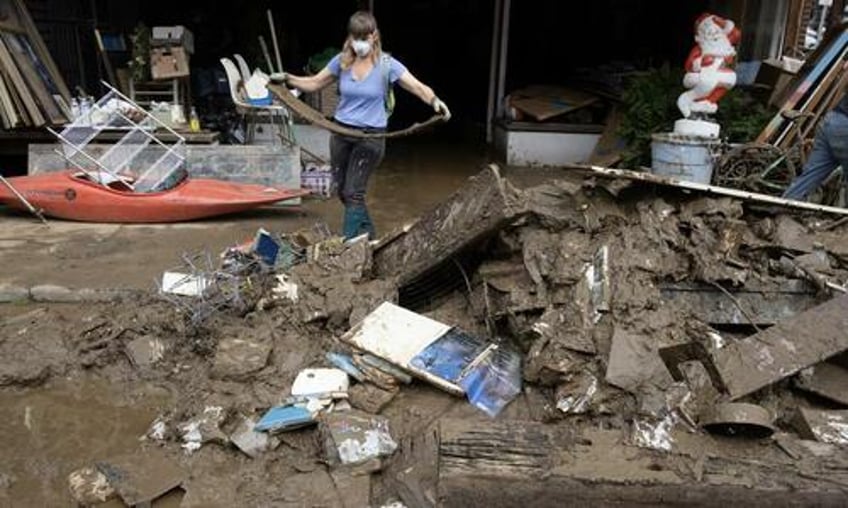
x,y
365,75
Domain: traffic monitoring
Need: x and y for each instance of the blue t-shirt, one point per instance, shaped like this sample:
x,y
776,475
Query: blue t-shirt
x,y
362,103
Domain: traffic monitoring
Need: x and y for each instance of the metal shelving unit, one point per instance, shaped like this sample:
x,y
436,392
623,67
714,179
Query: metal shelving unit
x,y
140,160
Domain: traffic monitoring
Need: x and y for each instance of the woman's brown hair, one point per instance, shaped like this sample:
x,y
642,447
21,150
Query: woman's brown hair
x,y
361,25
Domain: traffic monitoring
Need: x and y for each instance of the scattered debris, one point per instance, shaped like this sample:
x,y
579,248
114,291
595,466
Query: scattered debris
x,y
89,486
826,380
142,478
576,394
203,429
238,358
387,368
285,418
320,383
784,349
635,365
345,362
145,351
478,209
739,419
183,284
370,398
829,427
488,374
654,434
266,247
251,442
352,438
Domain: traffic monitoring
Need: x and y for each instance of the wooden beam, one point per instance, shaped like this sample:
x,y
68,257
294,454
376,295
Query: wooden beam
x,y
23,56
41,50
20,86
10,114
792,30
834,52
520,463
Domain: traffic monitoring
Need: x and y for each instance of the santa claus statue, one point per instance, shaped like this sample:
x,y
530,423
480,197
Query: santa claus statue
x,y
709,68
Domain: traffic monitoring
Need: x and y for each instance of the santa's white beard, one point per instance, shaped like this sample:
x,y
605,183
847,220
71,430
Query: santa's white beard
x,y
721,47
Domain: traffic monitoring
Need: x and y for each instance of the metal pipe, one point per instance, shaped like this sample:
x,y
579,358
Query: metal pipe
x,y
274,41
493,70
503,57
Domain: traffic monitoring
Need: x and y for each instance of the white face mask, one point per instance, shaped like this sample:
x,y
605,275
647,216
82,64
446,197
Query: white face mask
x,y
361,48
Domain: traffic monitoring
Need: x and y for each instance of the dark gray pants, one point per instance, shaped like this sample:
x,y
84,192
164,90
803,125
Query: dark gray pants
x,y
353,161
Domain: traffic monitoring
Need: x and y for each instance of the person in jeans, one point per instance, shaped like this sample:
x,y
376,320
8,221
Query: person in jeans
x,y
365,75
830,150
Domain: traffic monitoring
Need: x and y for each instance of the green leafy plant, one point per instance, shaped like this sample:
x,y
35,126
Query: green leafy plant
x,y
650,106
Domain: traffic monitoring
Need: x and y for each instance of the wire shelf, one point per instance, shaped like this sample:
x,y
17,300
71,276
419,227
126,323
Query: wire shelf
x,y
140,160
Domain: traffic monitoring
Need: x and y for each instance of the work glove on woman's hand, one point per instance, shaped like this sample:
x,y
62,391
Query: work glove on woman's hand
x,y
441,108
279,77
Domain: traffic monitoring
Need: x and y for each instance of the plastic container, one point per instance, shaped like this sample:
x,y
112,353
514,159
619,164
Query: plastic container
x,y
683,157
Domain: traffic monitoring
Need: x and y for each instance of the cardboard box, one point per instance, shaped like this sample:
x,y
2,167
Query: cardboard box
x,y
172,36
169,62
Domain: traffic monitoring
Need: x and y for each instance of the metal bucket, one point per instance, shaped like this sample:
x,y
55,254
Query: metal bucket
x,y
683,157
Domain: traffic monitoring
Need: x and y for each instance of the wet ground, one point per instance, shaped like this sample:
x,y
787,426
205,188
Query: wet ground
x,y
69,394
413,178
50,430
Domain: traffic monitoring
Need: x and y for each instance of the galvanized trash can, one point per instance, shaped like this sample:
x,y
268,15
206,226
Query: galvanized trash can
x,y
686,158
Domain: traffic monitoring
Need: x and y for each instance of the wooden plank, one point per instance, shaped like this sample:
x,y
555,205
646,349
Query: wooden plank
x,y
20,86
792,31
37,86
709,189
414,469
834,94
819,91
9,112
784,349
478,209
41,50
520,463
821,66
611,146
20,108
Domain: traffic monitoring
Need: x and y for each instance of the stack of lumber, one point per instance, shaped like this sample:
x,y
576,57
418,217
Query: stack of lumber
x,y
814,91
32,91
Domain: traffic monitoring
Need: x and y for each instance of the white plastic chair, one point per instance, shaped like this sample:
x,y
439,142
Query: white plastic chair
x,y
243,67
275,114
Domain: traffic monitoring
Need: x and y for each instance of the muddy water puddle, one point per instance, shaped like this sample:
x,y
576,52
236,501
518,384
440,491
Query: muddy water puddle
x,y
49,431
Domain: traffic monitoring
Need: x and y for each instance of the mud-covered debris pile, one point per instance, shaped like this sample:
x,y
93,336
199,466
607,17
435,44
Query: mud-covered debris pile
x,y
600,285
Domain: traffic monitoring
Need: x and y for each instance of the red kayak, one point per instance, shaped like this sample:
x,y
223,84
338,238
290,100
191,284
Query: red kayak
x,y
73,196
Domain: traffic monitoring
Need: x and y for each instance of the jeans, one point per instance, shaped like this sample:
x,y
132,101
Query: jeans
x,y
830,150
353,160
